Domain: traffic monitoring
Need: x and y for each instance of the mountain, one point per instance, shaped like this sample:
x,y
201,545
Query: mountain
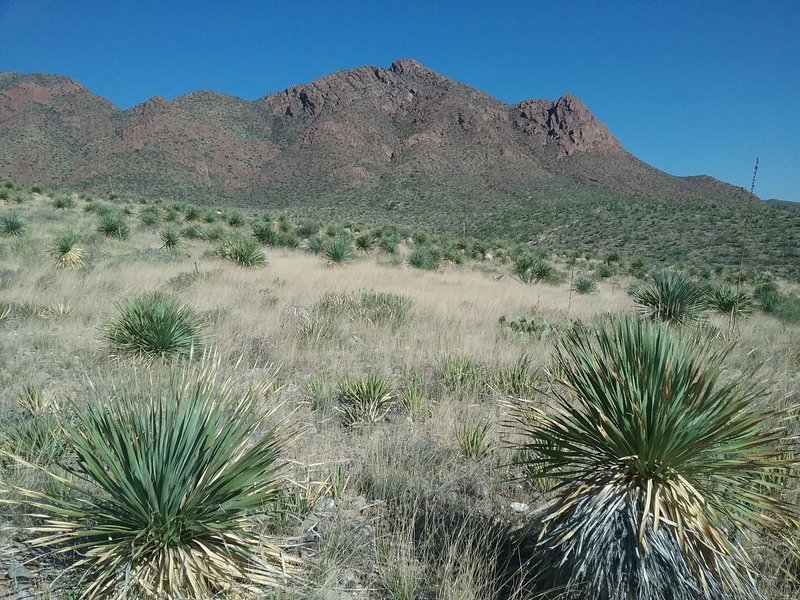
x,y
402,134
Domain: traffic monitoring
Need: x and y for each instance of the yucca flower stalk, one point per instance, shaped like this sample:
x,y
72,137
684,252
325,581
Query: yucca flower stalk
x,y
662,460
166,488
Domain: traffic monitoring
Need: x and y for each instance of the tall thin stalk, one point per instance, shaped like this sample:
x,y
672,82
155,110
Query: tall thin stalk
x,y
732,321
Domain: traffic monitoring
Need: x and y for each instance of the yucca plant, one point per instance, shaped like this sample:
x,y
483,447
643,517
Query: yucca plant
x,y
13,224
365,399
339,250
584,285
66,252
473,439
165,492
725,299
112,224
62,202
315,244
243,251
365,242
670,297
423,258
662,460
171,239
154,325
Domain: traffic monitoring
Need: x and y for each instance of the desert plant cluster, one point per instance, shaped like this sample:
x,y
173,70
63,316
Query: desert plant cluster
x,y
205,402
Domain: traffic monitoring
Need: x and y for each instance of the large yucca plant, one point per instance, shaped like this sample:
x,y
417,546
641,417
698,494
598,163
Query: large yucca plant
x,y
670,297
165,491
662,461
154,325
66,252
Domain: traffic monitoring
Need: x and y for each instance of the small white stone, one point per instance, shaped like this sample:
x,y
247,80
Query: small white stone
x,y
519,507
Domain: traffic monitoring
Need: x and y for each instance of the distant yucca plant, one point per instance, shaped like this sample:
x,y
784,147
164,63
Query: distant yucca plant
x,y
661,460
243,251
62,202
339,250
315,244
154,325
585,285
364,242
165,492
423,258
66,252
13,224
670,297
113,224
726,299
365,399
171,239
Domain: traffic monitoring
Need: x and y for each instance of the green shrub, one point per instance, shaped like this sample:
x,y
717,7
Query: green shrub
x,y
365,399
339,250
670,297
605,270
214,233
389,244
315,244
423,258
171,239
473,439
532,269
661,461
193,232
113,225
154,325
243,251
235,219
62,202
584,285
725,299
150,215
66,252
307,229
520,379
165,493
13,224
364,242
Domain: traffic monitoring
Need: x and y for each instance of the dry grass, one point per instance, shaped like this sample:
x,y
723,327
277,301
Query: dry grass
x,y
384,476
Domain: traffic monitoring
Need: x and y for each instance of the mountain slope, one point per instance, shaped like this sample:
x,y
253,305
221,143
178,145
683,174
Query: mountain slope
x,y
370,129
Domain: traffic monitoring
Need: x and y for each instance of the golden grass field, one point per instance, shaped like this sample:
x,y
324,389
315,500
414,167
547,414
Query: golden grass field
x,y
355,495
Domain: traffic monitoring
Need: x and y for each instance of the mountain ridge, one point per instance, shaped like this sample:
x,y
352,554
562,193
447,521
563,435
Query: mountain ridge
x,y
357,129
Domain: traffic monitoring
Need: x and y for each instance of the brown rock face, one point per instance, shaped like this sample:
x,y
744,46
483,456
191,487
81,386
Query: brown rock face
x,y
354,129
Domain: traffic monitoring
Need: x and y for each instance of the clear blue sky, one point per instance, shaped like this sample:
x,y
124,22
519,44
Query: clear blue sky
x,y
690,87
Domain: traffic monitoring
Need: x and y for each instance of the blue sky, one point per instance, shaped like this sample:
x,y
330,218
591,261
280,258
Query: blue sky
x,y
689,87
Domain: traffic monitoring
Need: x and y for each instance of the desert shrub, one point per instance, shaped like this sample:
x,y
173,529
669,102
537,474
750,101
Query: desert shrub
x,y
365,242
62,202
307,228
423,258
37,189
265,234
661,461
584,285
191,213
460,374
171,239
315,244
669,297
165,492
214,233
339,250
725,299
112,224
365,399
605,270
154,325
193,232
243,251
519,379
235,219
389,244
66,252
13,224
149,215
532,269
